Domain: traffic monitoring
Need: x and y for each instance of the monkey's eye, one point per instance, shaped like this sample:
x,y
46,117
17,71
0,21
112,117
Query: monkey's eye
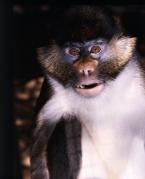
x,y
95,49
73,51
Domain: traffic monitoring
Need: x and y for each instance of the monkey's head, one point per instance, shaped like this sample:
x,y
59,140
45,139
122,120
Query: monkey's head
x,y
88,50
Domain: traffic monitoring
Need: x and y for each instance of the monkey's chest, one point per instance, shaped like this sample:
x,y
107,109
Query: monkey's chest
x,y
111,150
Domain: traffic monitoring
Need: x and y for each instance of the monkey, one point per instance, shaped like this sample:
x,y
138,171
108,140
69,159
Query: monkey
x,y
91,121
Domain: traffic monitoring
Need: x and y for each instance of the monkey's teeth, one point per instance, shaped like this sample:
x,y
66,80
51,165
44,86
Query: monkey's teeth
x,y
88,86
81,86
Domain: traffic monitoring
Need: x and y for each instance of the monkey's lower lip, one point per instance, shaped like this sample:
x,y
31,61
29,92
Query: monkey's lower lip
x,y
89,89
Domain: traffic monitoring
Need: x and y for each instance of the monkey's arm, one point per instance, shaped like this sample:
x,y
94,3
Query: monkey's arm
x,y
41,135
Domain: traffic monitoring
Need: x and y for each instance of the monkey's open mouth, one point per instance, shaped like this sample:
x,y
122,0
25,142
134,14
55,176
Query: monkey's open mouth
x,y
89,86
89,89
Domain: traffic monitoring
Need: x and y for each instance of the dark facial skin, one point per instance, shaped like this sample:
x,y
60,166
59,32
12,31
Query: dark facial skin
x,y
75,51
84,58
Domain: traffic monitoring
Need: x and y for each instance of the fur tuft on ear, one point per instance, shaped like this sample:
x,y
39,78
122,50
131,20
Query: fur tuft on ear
x,y
48,58
53,65
123,48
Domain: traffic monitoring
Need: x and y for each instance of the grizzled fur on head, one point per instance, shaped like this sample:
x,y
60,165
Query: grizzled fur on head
x,y
82,22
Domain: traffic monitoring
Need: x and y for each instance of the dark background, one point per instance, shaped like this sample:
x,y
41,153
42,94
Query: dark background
x,y
24,27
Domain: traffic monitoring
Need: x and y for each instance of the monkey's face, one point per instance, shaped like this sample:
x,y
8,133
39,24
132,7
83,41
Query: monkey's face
x,y
84,58
97,62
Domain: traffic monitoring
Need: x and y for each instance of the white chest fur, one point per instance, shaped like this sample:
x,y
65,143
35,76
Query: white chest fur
x,y
113,126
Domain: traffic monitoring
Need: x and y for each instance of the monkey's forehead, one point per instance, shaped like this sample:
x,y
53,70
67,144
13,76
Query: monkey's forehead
x,y
82,23
82,33
85,43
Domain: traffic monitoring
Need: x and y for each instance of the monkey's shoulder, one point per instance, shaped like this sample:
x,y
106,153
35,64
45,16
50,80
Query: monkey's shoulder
x,y
45,94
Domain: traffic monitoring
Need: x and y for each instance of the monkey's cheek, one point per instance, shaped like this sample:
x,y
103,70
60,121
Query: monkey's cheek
x,y
90,92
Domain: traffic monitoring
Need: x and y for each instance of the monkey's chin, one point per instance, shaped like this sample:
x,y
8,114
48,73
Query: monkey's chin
x,y
89,92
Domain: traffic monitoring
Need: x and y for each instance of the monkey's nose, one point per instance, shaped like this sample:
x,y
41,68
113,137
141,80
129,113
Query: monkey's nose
x,y
86,71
